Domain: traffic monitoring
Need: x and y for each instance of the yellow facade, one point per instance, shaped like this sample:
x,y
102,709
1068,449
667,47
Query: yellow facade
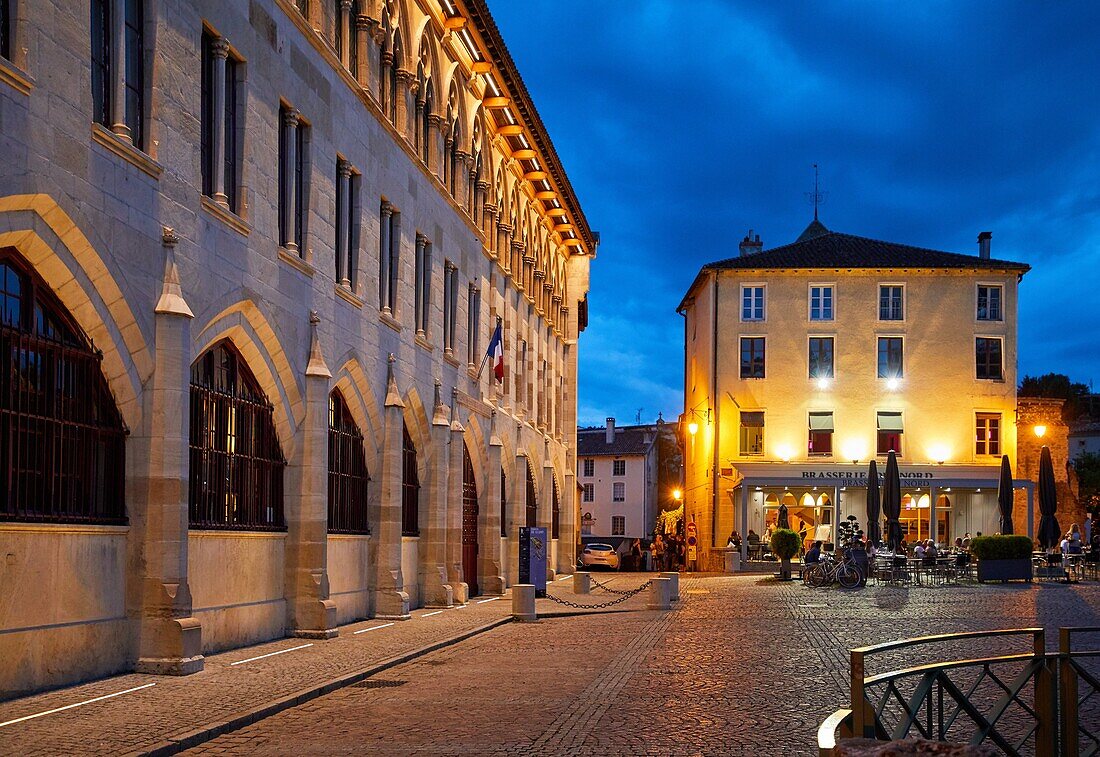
x,y
938,394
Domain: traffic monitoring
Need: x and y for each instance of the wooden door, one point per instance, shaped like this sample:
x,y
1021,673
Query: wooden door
x,y
469,524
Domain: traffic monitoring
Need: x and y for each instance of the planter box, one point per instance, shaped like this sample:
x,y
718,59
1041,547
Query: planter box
x,y
1004,570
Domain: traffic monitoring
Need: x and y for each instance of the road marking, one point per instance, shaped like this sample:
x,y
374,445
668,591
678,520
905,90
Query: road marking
x,y
565,577
78,704
491,599
270,654
430,614
813,605
372,628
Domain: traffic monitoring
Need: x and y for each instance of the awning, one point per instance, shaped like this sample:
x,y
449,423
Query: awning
x,y
821,422
890,422
752,420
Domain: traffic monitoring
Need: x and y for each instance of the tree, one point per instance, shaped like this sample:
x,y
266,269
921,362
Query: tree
x,y
1059,386
1087,465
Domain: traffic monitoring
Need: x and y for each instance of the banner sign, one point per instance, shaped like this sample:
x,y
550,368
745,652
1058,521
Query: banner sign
x,y
532,558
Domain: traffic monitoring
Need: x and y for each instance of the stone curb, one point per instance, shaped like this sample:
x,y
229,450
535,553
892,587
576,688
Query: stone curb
x,y
188,739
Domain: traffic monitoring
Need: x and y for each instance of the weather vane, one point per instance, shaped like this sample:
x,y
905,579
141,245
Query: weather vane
x,y
817,197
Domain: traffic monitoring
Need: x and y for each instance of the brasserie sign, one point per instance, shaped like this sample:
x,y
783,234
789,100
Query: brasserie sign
x,y
851,475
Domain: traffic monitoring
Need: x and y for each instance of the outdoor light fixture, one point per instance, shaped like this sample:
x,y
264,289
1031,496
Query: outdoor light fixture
x,y
892,384
823,383
677,494
693,413
693,428
1040,431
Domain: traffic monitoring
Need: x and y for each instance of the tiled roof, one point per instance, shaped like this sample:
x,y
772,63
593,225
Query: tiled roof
x,y
818,247
1084,427
629,440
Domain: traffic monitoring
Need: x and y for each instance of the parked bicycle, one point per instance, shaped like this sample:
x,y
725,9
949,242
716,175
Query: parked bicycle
x,y
831,570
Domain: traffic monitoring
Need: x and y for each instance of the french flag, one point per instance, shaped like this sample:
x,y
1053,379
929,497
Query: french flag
x,y
495,353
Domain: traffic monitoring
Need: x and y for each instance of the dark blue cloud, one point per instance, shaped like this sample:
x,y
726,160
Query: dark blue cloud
x,y
683,124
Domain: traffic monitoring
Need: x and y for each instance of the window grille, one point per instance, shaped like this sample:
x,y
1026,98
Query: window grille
x,y
348,478
410,487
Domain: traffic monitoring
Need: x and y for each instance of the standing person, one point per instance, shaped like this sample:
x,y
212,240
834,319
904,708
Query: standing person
x,y
658,550
636,554
1088,528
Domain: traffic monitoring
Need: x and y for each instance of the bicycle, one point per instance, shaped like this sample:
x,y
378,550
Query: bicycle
x,y
830,570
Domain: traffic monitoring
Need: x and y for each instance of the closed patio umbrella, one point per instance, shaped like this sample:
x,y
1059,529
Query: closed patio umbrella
x,y
874,508
1049,531
891,501
782,521
1004,496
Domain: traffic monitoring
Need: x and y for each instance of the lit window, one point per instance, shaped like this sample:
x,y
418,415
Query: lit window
x,y
891,303
618,525
890,357
989,303
618,492
821,357
618,468
889,432
988,434
752,357
752,303
821,303
988,358
589,467
752,433
821,434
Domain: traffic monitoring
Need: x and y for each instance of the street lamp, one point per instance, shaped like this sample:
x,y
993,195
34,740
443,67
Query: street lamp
x,y
677,494
1040,431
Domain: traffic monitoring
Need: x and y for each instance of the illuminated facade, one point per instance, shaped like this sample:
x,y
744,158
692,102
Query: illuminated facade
x,y
251,255
806,361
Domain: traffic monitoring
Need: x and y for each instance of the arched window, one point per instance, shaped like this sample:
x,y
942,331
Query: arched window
x,y
503,503
236,461
555,511
347,471
410,487
425,103
62,441
352,32
530,500
389,62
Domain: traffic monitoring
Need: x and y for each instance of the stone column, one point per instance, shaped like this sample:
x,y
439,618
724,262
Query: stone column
x,y
503,248
490,575
518,269
345,33
406,94
517,513
390,600
117,71
546,507
220,50
290,123
567,523
455,491
384,277
310,612
462,181
364,52
343,195
484,210
435,588
370,55
436,156
171,639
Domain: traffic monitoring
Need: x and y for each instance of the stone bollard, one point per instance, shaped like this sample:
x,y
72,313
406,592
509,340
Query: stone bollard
x,y
582,583
674,585
659,595
523,603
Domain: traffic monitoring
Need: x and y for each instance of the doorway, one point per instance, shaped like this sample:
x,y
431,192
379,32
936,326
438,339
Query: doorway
x,y
469,523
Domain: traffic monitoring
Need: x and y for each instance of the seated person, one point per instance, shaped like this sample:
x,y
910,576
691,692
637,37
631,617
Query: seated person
x,y
930,552
959,544
919,550
813,554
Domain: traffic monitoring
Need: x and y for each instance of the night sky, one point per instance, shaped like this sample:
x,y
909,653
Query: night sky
x,y
683,124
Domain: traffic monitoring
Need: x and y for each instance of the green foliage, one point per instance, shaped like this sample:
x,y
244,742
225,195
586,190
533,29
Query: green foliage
x,y
1087,465
785,543
1001,547
1057,385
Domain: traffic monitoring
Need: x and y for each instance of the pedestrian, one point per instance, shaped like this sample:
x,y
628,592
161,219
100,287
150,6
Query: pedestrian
x,y
636,554
1088,528
657,549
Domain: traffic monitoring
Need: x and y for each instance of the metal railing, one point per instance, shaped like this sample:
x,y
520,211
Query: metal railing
x,y
1037,702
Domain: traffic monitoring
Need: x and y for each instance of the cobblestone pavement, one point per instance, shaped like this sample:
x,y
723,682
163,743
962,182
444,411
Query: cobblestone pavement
x,y
169,707
745,665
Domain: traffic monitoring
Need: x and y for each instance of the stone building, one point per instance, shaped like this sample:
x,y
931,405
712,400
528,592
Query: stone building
x,y
806,361
1041,423
251,256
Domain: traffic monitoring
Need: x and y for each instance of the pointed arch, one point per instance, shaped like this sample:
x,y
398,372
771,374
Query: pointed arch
x,y
363,403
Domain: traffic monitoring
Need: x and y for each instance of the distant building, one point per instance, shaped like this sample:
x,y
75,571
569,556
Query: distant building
x,y
1084,438
806,361
617,470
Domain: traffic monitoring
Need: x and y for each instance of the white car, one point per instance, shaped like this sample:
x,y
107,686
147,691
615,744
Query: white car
x,y
600,554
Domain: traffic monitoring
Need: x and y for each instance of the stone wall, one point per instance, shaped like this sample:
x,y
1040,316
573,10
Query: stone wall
x,y
1035,412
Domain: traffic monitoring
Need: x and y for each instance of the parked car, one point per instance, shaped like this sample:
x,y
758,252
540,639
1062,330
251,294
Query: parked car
x,y
600,554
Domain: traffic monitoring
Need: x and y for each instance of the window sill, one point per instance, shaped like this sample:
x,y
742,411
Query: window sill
x,y
348,296
226,216
422,341
15,77
390,321
235,533
295,262
349,535
126,151
63,528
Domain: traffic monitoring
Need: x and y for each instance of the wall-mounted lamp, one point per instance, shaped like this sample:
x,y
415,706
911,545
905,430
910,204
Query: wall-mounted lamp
x,y
1040,431
893,384
677,494
693,414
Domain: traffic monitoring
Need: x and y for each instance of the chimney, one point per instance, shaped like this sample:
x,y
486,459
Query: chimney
x,y
751,245
983,244
610,438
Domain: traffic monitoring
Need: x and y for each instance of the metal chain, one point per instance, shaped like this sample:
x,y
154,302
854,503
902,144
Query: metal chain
x,y
605,587
625,596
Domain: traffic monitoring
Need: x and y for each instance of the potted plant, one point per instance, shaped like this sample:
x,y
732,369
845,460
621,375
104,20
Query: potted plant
x,y
784,545
1002,558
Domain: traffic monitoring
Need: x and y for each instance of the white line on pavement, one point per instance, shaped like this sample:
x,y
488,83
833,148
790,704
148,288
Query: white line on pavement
x,y
430,614
372,628
491,599
565,577
270,654
78,704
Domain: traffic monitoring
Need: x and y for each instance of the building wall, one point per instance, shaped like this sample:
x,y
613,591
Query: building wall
x,y
637,504
938,396
91,215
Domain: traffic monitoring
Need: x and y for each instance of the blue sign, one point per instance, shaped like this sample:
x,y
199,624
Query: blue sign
x,y
533,549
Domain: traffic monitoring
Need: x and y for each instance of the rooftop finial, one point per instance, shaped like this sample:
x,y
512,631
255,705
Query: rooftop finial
x,y
817,197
